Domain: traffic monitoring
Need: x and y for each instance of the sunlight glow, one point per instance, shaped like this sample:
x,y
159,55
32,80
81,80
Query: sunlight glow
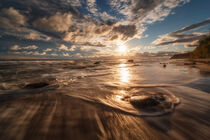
x,y
122,48
124,73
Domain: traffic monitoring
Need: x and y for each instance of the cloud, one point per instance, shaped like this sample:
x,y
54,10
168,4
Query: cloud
x,y
65,54
78,55
95,44
125,30
91,6
73,47
58,22
64,20
48,50
193,26
83,22
11,18
150,11
149,47
88,49
135,50
88,33
114,37
54,54
180,37
36,53
95,28
27,34
15,24
63,47
75,2
17,47
106,17
33,35
175,40
32,47
192,44
87,36
85,48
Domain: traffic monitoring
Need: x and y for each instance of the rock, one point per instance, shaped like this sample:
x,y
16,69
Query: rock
x,y
130,61
164,65
36,85
144,101
190,63
97,62
181,56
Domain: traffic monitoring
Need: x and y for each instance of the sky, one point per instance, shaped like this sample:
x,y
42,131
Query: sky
x,y
98,28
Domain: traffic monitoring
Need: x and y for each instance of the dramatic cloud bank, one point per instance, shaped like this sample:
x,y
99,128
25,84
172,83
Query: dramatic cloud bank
x,y
85,22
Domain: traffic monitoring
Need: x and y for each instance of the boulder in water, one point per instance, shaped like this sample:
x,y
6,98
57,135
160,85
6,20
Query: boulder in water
x,y
144,101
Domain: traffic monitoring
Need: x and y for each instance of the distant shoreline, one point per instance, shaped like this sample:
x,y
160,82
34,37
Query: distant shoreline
x,y
201,64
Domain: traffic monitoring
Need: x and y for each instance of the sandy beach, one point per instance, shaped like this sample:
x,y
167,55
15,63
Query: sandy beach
x,y
90,111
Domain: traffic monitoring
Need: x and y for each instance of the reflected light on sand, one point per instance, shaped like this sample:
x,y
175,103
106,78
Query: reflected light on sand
x,y
124,73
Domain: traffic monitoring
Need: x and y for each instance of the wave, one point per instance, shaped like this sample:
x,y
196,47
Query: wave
x,y
137,102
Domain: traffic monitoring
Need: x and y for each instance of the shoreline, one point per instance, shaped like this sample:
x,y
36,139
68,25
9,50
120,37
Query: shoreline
x,y
201,64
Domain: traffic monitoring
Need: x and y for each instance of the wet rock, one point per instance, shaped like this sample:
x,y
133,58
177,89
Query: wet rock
x,y
159,98
97,62
144,101
164,65
126,98
79,77
130,61
36,85
190,63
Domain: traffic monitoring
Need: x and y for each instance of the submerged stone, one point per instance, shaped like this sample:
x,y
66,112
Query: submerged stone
x,y
37,85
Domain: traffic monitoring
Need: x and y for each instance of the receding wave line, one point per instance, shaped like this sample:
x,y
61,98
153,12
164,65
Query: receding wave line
x,y
141,103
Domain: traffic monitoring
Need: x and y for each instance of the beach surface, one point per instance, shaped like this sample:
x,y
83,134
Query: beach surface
x,y
111,99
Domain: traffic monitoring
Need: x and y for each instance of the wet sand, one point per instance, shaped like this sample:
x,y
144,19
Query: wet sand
x,y
77,104
202,64
59,116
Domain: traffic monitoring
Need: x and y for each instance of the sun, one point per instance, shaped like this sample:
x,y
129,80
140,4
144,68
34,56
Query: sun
x,y
122,48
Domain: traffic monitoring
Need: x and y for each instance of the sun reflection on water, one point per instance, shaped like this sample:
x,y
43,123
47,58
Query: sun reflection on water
x,y
124,73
